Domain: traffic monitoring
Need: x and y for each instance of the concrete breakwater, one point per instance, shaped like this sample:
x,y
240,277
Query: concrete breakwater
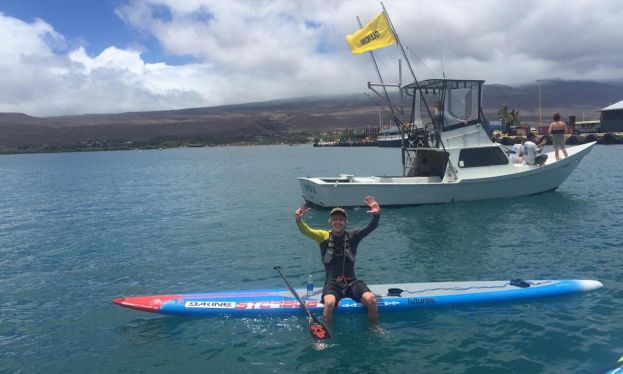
x,y
573,139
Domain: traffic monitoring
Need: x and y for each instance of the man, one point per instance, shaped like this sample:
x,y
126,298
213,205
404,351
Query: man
x,y
531,150
338,249
517,155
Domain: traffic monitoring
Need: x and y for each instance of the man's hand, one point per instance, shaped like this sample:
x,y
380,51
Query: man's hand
x,y
300,212
373,206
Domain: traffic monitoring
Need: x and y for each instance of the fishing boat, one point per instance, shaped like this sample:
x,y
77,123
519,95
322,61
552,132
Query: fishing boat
x,y
449,158
446,154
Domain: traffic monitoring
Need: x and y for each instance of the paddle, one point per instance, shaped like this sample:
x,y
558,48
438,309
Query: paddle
x,y
317,329
613,368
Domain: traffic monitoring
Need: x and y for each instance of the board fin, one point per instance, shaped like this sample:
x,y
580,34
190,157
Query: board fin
x,y
394,292
519,283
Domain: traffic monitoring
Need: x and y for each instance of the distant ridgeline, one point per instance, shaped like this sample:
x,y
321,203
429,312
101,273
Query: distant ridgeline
x,y
290,121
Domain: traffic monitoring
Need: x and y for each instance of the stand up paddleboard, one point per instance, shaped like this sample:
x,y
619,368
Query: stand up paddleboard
x,y
390,297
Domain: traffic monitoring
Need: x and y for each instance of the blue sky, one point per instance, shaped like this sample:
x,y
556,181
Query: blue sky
x,y
92,24
107,56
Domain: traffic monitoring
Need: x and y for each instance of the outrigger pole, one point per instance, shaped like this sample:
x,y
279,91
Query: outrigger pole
x,y
381,107
417,85
399,121
378,73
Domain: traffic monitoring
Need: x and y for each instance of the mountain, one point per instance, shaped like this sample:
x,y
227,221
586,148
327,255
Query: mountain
x,y
579,98
215,125
253,122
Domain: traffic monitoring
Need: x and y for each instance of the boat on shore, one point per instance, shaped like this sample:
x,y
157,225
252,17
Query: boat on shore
x,y
389,139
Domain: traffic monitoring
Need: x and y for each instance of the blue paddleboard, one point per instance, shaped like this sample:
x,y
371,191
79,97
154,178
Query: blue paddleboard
x,y
390,297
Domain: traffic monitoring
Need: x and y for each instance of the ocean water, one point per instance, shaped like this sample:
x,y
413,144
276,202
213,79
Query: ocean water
x,y
78,229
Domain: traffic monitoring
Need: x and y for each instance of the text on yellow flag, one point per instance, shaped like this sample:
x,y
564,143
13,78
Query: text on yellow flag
x,y
376,34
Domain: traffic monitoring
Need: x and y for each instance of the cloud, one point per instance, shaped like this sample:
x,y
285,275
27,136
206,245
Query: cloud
x,y
295,48
39,80
244,51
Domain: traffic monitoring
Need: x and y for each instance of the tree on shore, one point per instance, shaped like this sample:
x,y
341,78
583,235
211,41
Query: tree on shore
x,y
514,118
504,115
510,118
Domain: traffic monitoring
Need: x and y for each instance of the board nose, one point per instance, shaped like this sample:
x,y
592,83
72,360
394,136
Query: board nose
x,y
589,285
145,303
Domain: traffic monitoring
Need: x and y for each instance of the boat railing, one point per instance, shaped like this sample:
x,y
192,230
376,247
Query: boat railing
x,y
464,140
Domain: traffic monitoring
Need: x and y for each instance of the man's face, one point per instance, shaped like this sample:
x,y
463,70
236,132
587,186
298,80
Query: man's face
x,y
338,222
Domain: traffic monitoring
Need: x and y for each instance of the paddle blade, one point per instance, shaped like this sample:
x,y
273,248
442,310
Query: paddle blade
x,y
318,330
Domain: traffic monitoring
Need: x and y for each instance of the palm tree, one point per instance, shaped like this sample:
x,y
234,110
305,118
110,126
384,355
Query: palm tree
x,y
504,114
514,118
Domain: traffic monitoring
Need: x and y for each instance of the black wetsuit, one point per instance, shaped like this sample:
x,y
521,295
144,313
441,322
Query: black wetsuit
x,y
340,278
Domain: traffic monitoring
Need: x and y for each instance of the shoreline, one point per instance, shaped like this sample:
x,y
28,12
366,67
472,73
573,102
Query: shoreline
x,y
600,138
58,149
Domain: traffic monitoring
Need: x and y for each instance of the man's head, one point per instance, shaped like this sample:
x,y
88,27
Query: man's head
x,y
556,117
337,219
530,135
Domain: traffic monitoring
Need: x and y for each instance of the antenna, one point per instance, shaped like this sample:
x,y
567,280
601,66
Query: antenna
x,y
443,68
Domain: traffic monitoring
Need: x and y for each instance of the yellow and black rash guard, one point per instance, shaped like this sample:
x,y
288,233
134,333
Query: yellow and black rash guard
x,y
339,265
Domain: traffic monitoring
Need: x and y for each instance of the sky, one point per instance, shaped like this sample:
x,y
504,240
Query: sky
x,y
66,57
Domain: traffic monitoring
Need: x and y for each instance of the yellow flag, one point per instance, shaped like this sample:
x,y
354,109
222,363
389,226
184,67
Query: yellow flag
x,y
376,34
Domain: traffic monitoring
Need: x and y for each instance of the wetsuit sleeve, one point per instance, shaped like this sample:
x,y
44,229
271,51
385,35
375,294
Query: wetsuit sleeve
x,y
317,235
359,234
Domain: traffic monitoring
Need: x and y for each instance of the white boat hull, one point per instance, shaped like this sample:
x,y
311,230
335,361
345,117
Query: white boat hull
x,y
477,184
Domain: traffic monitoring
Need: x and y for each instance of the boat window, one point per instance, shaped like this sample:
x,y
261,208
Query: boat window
x,y
475,157
461,105
427,163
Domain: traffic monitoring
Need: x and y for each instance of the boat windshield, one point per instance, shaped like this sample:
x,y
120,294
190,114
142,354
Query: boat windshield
x,y
461,104
452,103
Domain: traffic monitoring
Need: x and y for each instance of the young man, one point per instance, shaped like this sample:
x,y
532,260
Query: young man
x,y
531,150
338,249
517,155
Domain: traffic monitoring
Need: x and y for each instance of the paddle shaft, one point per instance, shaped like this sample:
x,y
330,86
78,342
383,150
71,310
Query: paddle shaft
x,y
296,295
317,329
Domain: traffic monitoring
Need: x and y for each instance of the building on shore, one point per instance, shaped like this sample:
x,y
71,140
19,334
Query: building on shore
x,y
612,118
592,126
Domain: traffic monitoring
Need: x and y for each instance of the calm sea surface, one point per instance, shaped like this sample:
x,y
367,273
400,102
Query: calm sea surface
x,y
78,229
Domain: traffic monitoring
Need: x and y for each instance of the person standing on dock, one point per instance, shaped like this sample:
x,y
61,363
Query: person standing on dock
x,y
338,249
557,130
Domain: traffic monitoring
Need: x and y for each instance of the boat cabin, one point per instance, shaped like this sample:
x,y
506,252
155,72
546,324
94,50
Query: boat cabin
x,y
447,104
447,119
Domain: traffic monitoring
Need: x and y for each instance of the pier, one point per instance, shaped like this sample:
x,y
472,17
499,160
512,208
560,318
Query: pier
x,y
359,143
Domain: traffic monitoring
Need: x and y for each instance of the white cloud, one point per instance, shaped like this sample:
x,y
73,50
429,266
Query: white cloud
x,y
38,80
261,50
